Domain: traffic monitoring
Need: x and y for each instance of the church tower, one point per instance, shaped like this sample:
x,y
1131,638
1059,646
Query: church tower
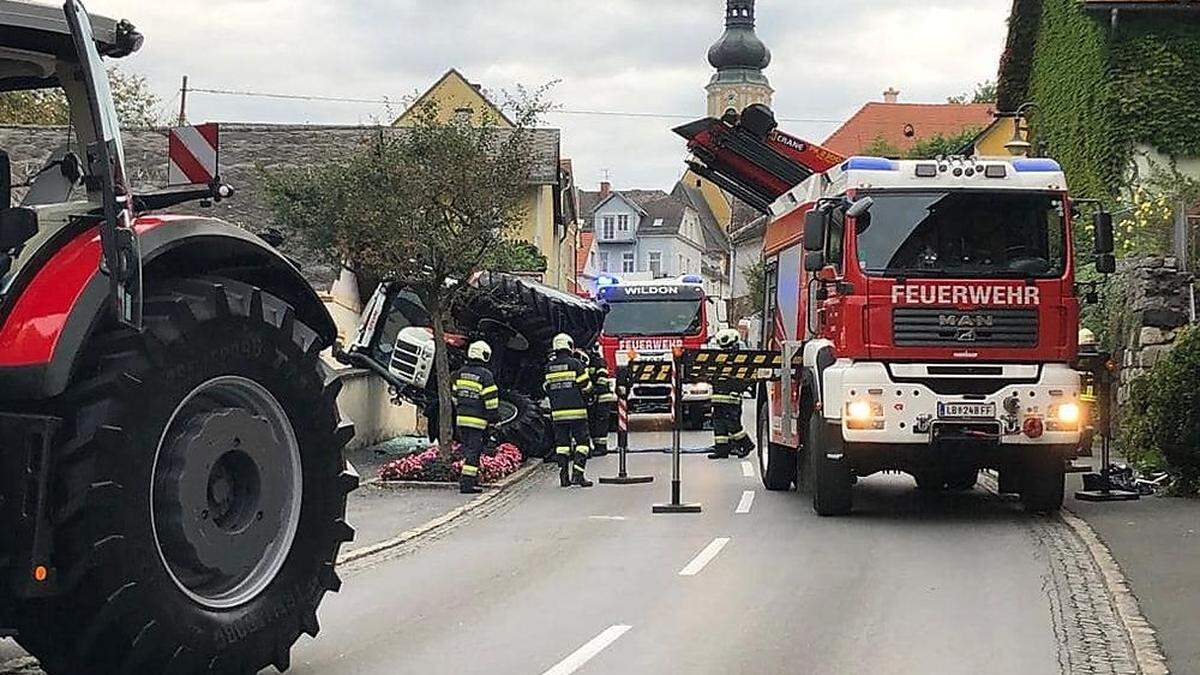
x,y
740,59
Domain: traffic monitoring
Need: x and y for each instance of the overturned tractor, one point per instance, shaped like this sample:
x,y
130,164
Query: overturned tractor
x,y
516,316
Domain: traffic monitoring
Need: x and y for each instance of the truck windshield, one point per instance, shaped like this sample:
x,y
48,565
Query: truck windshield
x,y
964,234
653,317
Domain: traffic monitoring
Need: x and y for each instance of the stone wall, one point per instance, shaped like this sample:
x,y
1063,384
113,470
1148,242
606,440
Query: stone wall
x,y
1155,304
247,150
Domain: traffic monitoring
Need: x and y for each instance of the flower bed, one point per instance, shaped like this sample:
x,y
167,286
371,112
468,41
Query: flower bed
x,y
433,466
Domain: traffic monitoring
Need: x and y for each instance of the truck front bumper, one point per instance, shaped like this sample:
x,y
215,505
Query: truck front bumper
x,y
939,403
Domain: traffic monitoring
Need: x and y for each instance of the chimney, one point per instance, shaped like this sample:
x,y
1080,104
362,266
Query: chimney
x,y
891,95
605,189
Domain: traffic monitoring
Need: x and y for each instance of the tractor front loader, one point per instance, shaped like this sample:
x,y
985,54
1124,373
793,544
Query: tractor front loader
x,y
172,484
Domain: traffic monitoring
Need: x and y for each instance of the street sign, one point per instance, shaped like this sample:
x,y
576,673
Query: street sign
x,y
194,154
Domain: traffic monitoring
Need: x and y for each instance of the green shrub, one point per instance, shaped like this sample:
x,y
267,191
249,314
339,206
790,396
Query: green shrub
x,y
1160,427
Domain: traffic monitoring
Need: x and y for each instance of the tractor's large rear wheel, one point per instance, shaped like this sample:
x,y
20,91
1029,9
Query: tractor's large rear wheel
x,y
521,423
201,493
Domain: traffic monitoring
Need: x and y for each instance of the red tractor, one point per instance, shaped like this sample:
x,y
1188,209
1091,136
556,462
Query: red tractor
x,y
172,485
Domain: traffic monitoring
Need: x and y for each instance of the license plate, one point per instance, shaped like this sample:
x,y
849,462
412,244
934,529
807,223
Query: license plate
x,y
952,411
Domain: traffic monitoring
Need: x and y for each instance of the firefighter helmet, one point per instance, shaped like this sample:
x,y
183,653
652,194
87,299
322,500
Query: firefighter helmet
x,y
727,339
1086,338
563,342
583,356
479,351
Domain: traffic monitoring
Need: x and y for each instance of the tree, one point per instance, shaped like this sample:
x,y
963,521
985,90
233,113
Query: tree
x,y
985,92
942,145
424,206
881,147
137,105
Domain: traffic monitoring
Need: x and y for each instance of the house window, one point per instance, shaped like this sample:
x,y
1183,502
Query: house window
x,y
681,268
608,227
628,264
623,223
654,258
604,261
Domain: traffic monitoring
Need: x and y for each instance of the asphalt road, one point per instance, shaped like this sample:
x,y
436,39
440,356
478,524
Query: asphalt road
x,y
553,581
559,581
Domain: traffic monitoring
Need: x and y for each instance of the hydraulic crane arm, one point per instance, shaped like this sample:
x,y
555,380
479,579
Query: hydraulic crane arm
x,y
749,157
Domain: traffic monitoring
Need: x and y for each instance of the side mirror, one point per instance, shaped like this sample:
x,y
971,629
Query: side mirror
x,y
1102,226
814,261
861,207
814,231
1106,263
5,180
17,226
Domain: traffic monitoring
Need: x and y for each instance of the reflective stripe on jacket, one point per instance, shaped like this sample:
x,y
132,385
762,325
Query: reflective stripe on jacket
x,y
476,397
566,384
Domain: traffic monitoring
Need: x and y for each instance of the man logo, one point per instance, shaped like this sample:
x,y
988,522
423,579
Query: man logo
x,y
967,320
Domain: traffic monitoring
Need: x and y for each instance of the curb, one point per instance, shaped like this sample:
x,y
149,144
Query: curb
x,y
441,521
1146,649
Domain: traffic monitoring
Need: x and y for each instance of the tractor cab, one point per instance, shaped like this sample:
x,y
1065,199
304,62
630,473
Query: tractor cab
x,y
53,56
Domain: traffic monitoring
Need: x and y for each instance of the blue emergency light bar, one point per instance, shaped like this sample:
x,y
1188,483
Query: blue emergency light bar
x,y
1036,165
692,279
869,164
606,280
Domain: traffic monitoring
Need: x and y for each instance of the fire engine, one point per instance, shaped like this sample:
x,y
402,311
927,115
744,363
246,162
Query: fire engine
x,y
932,308
646,321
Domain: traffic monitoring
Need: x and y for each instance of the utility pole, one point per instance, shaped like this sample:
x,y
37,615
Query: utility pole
x,y
183,91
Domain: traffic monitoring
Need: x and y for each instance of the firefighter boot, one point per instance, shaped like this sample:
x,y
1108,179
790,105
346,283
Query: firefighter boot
x,y
747,447
469,485
564,470
580,479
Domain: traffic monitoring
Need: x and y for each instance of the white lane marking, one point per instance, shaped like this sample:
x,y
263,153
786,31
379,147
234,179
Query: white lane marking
x,y
585,653
747,469
606,517
704,557
747,501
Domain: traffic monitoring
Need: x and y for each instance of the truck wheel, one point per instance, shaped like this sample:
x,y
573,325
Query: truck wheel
x,y
929,481
776,463
201,493
1042,481
832,481
522,425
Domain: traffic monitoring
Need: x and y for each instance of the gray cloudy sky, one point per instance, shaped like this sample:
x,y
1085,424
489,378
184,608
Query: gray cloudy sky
x,y
830,56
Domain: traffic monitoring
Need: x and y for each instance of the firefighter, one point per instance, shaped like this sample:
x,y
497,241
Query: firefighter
x,y
728,435
604,400
476,407
1089,351
567,385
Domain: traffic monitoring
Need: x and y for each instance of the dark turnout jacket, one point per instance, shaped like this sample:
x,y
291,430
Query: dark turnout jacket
x,y
476,397
567,384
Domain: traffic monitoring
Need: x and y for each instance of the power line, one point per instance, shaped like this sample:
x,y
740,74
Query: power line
x,y
556,111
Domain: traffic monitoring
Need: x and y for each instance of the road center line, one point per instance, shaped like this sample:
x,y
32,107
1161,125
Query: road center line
x,y
704,557
606,518
747,501
747,469
587,652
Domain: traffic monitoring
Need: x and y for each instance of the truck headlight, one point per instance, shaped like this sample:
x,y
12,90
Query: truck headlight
x,y
1065,417
864,414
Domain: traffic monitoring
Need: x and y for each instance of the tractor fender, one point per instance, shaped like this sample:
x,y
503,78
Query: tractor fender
x,y
62,304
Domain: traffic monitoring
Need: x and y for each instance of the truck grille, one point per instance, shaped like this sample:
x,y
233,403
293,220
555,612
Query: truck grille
x,y
913,327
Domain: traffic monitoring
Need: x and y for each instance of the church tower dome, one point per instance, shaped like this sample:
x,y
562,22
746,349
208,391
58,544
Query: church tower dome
x,y
740,58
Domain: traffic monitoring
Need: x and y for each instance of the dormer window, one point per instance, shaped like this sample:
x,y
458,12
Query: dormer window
x,y
608,231
623,223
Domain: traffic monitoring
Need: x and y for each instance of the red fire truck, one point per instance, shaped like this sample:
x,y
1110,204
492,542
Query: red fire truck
x,y
932,304
646,321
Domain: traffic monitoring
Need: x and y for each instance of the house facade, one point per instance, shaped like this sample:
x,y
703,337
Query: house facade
x,y
643,232
550,205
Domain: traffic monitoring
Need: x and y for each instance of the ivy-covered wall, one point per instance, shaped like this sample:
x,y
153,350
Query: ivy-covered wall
x,y
1075,121
1101,91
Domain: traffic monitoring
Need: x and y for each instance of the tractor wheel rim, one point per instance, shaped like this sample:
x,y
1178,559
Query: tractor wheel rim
x,y
225,492
507,413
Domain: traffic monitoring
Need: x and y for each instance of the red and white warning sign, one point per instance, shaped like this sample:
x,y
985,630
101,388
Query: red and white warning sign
x,y
194,154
